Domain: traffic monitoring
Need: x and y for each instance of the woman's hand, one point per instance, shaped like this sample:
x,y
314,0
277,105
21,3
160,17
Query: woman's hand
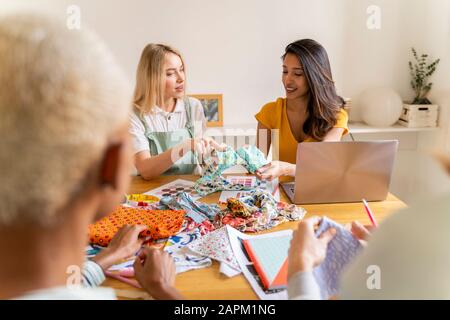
x,y
308,251
155,271
194,145
214,145
275,169
125,243
204,147
361,232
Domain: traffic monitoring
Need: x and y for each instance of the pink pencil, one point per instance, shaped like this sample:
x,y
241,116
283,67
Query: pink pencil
x,y
131,282
369,213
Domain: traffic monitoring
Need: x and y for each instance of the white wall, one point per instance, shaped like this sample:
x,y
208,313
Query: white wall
x,y
233,47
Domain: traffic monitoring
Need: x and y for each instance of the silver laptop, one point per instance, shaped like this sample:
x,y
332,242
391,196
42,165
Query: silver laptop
x,y
330,172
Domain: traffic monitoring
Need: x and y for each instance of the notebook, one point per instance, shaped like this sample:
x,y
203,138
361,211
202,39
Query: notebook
x,y
270,259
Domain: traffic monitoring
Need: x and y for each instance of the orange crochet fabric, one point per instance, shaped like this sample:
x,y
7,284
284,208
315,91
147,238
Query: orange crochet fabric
x,y
161,223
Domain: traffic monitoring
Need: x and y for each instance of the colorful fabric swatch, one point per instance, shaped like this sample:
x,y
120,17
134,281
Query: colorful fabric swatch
x,y
216,245
257,212
161,223
253,158
238,208
205,226
195,210
251,182
185,260
212,180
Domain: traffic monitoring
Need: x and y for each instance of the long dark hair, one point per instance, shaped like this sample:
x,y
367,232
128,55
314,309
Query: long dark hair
x,y
324,103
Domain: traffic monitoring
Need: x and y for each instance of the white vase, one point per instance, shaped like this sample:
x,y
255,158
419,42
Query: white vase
x,y
380,107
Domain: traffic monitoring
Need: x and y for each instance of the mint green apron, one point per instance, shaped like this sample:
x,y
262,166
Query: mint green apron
x,y
159,142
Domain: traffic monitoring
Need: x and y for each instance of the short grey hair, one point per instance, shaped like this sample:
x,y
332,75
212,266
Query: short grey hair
x,y
61,96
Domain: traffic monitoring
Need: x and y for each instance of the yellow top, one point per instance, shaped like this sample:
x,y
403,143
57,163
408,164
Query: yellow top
x,y
274,116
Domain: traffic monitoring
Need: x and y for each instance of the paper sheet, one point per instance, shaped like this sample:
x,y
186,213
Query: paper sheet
x,y
215,245
228,270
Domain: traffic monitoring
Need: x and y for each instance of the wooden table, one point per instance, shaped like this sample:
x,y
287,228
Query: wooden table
x,y
209,283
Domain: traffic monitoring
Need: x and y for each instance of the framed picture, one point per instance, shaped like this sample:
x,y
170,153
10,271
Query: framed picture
x,y
212,105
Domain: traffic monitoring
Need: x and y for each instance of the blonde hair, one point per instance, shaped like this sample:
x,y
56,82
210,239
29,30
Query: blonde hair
x,y
62,95
150,77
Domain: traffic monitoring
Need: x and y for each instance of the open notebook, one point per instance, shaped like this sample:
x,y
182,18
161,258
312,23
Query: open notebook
x,y
270,259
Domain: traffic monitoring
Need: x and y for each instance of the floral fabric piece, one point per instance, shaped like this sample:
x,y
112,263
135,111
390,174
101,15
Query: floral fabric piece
x,y
195,210
205,226
252,157
216,245
185,260
257,212
212,180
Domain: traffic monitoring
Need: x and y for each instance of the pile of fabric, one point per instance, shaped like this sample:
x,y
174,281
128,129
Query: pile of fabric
x,y
197,245
184,259
257,212
212,180
198,215
194,232
196,210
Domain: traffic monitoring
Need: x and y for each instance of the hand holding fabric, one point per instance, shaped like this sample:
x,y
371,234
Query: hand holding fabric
x,y
275,169
307,251
125,243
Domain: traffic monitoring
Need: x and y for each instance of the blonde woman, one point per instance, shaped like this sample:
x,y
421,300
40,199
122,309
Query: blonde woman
x,y
166,126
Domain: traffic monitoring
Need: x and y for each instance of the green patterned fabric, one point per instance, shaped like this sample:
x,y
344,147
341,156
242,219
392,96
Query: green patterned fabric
x,y
212,180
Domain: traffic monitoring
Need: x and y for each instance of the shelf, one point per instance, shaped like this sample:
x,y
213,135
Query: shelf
x,y
360,127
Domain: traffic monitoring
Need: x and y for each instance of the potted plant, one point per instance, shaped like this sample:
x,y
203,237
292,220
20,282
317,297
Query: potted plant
x,y
420,112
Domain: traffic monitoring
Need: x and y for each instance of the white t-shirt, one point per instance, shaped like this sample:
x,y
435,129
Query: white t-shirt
x,y
162,121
